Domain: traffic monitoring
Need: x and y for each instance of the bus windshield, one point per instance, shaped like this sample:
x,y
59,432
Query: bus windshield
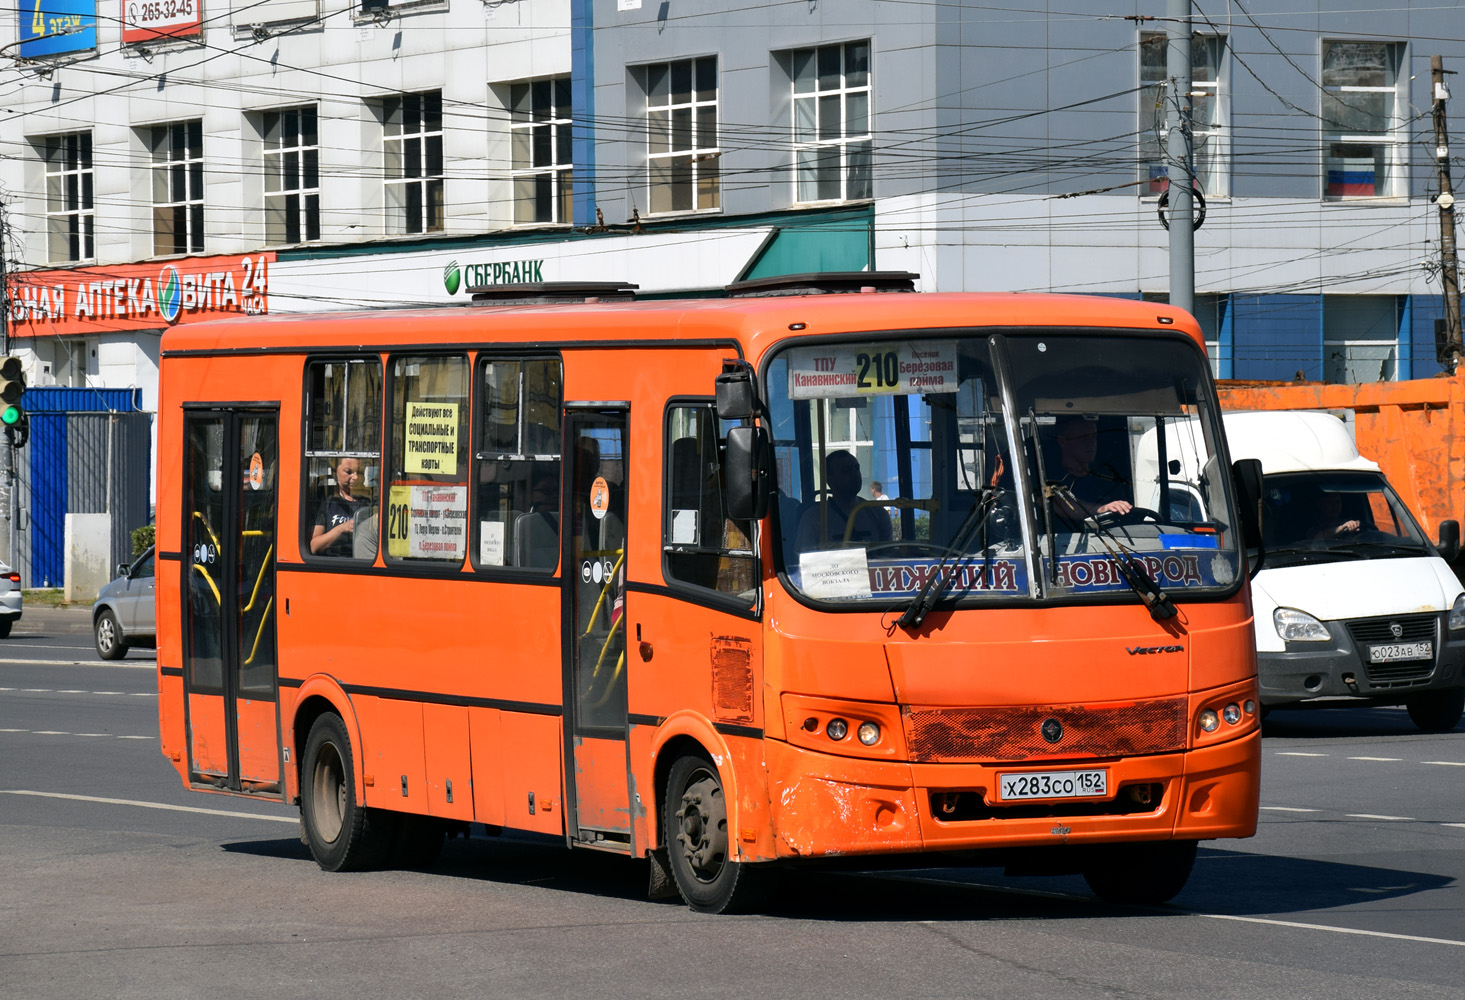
x,y
1007,464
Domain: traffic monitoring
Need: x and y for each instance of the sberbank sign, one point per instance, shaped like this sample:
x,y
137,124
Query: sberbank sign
x,y
504,272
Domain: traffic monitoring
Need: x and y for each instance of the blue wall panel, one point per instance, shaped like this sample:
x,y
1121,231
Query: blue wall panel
x,y
1423,311
48,496
1275,336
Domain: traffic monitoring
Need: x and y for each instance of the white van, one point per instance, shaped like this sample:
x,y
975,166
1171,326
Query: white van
x,y
1353,603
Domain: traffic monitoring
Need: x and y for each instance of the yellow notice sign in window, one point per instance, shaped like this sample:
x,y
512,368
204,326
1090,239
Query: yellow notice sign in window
x,y
432,438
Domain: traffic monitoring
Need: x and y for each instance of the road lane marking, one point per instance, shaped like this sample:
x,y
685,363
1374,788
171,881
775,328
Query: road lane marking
x,y
1445,763
91,734
136,665
1298,753
134,737
57,732
50,732
1401,819
1377,758
1333,929
294,820
1289,809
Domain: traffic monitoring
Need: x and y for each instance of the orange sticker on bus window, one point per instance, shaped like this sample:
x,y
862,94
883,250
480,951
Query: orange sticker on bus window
x,y
256,471
599,497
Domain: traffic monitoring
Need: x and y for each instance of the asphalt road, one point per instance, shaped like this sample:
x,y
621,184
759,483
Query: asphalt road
x,y
116,882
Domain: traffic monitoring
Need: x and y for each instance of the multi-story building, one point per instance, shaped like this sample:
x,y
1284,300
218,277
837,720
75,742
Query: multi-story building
x,y
165,162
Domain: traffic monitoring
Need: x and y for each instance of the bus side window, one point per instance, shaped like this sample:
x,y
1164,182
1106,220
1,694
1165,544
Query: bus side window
x,y
426,516
517,512
701,545
343,458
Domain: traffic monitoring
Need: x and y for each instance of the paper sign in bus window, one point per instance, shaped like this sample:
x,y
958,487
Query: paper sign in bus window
x,y
835,573
427,521
432,438
491,543
872,369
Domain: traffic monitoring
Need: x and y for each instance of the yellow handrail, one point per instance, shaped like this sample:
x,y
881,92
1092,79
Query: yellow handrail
x,y
259,633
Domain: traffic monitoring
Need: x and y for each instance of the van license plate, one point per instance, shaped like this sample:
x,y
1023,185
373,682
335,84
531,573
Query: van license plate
x,y
1053,785
1400,651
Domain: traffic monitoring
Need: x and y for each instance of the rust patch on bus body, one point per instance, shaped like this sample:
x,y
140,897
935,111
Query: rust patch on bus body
x,y
1015,733
732,678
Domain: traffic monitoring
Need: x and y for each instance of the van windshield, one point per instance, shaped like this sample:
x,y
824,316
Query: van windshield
x,y
1334,515
992,464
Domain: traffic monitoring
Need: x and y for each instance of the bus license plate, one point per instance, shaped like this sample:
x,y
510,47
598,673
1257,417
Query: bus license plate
x,y
1400,651
1053,784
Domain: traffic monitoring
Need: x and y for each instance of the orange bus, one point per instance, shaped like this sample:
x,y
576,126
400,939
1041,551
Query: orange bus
x,y
614,574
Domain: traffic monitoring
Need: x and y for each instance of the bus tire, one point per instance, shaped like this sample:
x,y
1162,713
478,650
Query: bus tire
x,y
1437,711
1143,873
343,835
108,636
697,842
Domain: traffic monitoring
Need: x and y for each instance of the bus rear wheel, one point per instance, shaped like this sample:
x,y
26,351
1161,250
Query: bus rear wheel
x,y
697,842
1144,873
342,834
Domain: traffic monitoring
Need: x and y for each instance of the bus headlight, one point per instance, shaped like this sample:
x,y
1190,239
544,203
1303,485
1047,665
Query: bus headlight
x,y
1299,626
1457,614
837,729
869,733
1209,720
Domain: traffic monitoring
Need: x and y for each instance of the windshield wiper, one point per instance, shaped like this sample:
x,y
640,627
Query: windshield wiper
x,y
935,583
1403,545
1156,601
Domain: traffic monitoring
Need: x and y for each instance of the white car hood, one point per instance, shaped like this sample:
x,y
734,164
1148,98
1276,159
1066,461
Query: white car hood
x,y
1360,588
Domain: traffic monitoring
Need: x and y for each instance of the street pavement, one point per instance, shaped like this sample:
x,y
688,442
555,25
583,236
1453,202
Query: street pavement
x,y
116,881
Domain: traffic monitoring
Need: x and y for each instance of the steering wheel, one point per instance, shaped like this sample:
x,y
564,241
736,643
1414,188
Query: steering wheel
x,y
1135,515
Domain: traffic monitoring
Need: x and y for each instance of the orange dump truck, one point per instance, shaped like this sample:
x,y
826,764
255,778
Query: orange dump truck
x,y
1414,430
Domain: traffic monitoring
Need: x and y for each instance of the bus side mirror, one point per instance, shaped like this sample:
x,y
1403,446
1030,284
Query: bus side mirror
x,y
1247,475
747,472
1449,545
734,389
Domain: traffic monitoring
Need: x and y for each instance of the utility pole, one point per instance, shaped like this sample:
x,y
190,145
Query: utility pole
x,y
1450,350
1180,155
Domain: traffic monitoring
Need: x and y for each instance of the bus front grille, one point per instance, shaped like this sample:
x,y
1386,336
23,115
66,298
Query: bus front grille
x,y
1116,729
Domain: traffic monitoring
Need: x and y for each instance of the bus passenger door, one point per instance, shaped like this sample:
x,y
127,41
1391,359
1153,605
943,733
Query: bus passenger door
x,y
230,463
596,779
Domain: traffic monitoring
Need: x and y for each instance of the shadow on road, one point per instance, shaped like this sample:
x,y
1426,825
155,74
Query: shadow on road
x,y
1342,722
1227,882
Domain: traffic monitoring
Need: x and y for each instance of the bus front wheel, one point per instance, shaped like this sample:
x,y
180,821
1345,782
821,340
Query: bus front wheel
x,y
342,834
697,841
1145,873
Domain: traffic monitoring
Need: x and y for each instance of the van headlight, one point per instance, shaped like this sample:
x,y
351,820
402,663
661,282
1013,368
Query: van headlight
x,y
1457,614
1299,626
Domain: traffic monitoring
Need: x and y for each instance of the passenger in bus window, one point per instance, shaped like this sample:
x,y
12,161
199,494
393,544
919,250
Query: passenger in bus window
x,y
823,525
1093,490
335,520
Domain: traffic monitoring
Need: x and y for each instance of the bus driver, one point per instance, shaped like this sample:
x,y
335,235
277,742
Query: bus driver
x,y
823,525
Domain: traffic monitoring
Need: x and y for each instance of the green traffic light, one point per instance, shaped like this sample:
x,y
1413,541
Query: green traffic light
x,y
10,415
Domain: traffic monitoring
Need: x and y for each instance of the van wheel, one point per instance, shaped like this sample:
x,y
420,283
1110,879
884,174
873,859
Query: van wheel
x,y
1144,873
1438,711
109,637
5,624
697,841
343,835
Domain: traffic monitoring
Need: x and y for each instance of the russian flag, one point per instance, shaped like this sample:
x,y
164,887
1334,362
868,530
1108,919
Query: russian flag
x,y
1352,178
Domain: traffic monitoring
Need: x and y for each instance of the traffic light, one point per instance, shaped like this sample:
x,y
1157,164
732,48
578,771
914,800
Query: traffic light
x,y
16,421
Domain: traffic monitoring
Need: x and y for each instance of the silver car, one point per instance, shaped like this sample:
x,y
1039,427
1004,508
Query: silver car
x,y
9,599
124,614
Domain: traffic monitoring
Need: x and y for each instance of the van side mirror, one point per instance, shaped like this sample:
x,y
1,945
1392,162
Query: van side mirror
x,y
123,568
1246,473
1449,545
746,468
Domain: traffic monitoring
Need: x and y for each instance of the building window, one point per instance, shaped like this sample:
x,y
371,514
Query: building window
x,y
413,149
177,155
70,224
1208,113
681,135
539,124
1363,135
1360,338
292,176
831,106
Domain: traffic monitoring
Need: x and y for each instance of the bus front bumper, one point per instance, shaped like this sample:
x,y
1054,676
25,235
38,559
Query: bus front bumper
x,y
833,806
